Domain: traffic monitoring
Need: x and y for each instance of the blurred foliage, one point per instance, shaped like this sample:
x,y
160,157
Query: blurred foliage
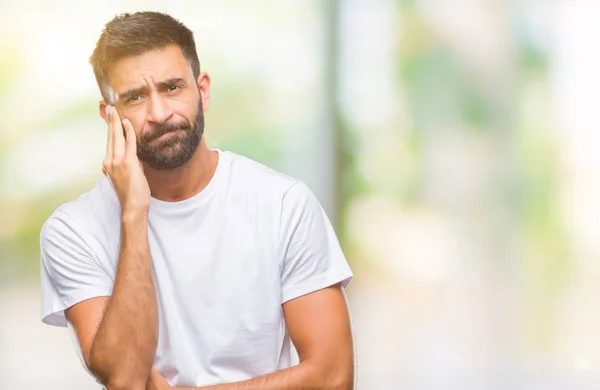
x,y
10,65
442,95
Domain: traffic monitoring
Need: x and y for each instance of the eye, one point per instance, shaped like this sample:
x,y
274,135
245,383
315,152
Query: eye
x,y
134,99
172,88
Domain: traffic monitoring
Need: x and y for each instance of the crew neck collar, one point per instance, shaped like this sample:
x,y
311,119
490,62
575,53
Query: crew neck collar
x,y
200,197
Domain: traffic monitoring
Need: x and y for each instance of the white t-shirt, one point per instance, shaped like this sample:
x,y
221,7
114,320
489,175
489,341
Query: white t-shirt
x,y
224,262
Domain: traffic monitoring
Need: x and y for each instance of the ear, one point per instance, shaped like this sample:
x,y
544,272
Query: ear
x,y
102,107
204,87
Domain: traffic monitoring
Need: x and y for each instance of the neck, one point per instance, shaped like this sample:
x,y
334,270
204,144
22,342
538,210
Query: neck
x,y
185,181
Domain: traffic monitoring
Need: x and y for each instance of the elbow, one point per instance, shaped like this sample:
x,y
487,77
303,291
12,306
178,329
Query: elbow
x,y
335,378
343,379
121,381
116,378
124,384
341,383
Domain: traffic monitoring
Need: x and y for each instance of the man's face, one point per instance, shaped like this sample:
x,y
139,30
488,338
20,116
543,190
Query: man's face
x,y
157,92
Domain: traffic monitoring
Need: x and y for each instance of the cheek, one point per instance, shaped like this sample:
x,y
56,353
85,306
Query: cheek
x,y
186,104
138,126
184,111
136,115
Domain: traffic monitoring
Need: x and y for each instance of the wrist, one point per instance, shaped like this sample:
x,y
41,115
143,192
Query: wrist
x,y
134,216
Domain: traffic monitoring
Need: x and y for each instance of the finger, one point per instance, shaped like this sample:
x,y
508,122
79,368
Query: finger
x,y
118,137
105,172
130,139
109,136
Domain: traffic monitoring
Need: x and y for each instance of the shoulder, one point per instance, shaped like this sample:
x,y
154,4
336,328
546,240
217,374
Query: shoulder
x,y
252,184
84,212
252,176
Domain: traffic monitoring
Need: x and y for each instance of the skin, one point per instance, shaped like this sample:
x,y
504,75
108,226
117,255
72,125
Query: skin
x,y
118,334
158,107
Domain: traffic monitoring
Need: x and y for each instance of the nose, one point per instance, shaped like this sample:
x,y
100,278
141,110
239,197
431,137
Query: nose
x,y
158,110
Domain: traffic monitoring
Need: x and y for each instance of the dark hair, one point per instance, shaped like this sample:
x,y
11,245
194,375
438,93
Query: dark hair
x,y
134,34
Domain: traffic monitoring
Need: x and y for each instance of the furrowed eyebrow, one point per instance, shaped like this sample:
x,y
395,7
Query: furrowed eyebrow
x,y
124,96
171,82
132,92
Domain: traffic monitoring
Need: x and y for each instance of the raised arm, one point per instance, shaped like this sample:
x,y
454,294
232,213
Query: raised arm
x,y
118,334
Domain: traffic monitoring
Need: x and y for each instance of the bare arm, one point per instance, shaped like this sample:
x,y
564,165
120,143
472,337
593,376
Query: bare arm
x,y
125,343
319,326
118,335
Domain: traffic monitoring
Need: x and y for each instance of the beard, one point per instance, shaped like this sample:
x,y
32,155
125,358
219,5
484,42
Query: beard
x,y
176,148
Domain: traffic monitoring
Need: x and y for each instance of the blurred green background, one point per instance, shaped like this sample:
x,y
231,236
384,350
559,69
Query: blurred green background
x,y
453,143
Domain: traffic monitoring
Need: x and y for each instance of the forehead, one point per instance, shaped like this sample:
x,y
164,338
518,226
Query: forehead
x,y
155,65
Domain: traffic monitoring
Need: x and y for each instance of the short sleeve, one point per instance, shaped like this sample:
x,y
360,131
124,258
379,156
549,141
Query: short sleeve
x,y
69,273
312,258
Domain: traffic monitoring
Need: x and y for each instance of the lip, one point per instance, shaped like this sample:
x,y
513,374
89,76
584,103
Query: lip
x,y
167,134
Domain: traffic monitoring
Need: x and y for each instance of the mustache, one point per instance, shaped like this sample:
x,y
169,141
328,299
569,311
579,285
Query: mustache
x,y
163,128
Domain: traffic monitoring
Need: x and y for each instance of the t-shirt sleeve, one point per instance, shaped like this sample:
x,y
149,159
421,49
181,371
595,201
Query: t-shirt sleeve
x,y
69,273
312,258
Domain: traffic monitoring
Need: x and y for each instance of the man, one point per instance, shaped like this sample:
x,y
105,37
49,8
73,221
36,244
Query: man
x,y
187,267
